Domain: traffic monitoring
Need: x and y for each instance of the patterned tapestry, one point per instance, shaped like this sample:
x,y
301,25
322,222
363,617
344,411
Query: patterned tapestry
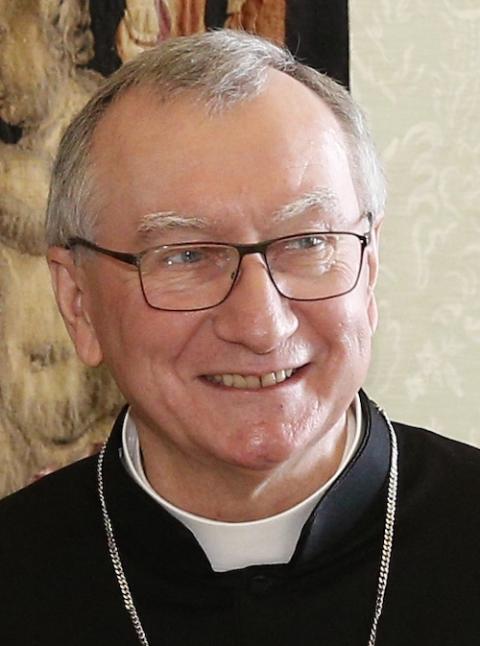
x,y
53,55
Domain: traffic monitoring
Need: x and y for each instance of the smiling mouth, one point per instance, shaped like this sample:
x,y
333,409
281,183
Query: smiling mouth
x,y
251,382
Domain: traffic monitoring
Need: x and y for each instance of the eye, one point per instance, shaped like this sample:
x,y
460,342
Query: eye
x,y
304,243
309,242
184,257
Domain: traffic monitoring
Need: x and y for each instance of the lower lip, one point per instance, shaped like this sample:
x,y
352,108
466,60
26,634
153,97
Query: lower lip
x,y
295,378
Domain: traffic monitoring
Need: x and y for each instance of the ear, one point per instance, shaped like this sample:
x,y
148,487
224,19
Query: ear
x,y
69,283
372,252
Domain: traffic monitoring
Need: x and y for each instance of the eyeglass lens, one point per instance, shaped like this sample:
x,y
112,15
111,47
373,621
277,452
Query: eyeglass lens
x,y
304,267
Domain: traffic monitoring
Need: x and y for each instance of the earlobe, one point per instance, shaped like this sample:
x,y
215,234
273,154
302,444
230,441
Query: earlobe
x,y
70,296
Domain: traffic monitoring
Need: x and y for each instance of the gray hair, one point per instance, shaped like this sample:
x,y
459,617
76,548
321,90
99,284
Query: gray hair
x,y
223,68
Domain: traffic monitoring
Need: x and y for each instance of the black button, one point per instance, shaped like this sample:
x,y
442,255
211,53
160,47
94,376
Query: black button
x,y
260,584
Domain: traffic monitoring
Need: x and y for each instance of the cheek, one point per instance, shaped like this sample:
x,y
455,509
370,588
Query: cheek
x,y
355,340
139,340
343,327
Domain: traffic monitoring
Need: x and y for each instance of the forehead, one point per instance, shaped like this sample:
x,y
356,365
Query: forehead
x,y
237,168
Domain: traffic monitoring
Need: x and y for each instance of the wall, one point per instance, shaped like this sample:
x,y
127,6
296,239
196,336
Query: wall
x,y
415,69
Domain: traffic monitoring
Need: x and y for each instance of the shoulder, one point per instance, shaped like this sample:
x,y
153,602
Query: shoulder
x,y
50,534
54,563
420,445
438,480
51,505
67,493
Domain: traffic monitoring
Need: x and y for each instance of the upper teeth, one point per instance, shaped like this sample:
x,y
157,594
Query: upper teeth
x,y
252,381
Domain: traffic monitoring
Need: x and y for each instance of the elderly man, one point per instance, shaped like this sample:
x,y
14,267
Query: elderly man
x,y
213,238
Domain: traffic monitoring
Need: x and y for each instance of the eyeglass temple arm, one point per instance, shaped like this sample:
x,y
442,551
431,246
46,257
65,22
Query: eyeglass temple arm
x,y
129,258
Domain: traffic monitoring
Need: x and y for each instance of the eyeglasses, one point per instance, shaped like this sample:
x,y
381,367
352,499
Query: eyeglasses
x,y
186,277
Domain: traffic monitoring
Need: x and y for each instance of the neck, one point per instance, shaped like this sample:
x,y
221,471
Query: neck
x,y
235,494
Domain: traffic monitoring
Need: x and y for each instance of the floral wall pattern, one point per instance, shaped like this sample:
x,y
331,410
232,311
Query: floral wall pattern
x,y
415,69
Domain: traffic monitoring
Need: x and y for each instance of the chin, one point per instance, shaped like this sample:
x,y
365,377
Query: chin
x,y
262,450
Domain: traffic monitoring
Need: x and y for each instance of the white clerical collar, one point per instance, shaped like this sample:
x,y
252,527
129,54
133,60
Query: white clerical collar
x,y
230,546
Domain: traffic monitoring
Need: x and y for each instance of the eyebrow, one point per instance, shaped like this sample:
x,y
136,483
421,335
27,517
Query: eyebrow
x,y
169,220
162,220
323,199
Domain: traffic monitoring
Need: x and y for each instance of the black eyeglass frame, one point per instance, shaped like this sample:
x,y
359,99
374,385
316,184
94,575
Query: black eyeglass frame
x,y
135,259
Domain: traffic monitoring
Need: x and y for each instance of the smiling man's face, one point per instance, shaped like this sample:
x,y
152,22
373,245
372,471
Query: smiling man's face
x,y
233,171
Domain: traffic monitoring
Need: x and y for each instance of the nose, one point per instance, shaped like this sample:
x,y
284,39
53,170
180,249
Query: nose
x,y
255,315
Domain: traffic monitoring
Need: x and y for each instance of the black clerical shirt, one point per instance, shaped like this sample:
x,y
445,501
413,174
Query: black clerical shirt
x,y
57,586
